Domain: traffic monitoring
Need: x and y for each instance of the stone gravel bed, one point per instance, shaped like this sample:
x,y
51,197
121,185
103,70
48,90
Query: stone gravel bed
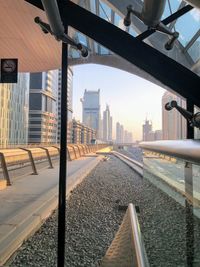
x,y
93,218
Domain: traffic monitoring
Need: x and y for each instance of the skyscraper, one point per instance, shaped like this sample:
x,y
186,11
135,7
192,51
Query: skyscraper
x,y
173,123
119,133
14,111
42,107
146,131
107,125
91,109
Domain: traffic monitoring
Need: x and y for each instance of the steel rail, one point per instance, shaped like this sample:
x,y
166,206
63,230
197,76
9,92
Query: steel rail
x,y
187,150
141,257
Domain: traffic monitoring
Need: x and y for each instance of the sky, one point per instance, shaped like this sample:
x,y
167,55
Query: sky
x,y
131,99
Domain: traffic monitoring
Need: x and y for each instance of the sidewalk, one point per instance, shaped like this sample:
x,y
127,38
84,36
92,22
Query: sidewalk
x,y
31,199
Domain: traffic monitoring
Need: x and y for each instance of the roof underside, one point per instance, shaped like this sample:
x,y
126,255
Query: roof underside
x,y
36,51
22,38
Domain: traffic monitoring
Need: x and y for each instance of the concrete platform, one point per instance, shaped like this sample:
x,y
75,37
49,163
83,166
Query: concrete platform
x,y
30,200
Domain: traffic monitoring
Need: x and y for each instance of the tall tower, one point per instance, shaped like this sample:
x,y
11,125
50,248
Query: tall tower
x,y
107,125
91,109
14,99
119,133
173,124
42,107
146,130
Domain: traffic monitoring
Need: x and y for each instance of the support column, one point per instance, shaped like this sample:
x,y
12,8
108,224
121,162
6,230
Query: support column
x,y
63,160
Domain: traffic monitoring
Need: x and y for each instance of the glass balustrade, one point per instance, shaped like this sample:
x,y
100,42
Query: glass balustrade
x,y
173,168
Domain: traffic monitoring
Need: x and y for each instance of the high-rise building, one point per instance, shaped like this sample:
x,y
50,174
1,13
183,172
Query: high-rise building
x,y
107,125
82,134
70,111
14,111
146,131
42,107
173,123
91,109
119,133
158,135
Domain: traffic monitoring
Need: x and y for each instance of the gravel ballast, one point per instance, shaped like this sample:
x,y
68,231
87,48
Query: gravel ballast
x,y
93,218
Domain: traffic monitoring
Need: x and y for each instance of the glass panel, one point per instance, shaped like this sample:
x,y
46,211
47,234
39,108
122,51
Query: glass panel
x,y
74,53
194,50
93,6
104,11
172,221
165,172
196,182
95,48
119,22
192,19
103,50
82,38
132,32
170,9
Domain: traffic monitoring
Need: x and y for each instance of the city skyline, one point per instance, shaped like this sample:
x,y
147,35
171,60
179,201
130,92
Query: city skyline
x,y
117,89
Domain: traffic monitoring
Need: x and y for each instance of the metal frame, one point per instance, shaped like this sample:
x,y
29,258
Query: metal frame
x,y
48,157
176,148
33,165
161,67
5,169
191,42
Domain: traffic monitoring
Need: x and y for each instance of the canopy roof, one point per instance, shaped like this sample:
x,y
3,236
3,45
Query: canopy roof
x,y
103,22
22,38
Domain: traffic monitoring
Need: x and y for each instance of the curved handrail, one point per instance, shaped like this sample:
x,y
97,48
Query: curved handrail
x,y
127,248
188,150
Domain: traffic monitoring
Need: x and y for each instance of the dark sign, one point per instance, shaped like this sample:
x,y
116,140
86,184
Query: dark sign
x,y
9,70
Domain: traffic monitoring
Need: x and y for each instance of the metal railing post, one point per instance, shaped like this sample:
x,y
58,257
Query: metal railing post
x,y
5,169
31,160
48,157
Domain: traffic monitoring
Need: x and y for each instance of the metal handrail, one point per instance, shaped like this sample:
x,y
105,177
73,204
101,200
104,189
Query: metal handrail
x,y
140,252
127,248
188,150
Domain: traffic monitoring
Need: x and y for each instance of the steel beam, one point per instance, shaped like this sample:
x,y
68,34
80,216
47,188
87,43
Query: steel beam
x,y
169,72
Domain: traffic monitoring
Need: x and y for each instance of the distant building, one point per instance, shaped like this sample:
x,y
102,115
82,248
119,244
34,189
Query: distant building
x,y
82,134
173,123
149,134
146,131
91,109
107,125
119,133
42,107
14,99
158,135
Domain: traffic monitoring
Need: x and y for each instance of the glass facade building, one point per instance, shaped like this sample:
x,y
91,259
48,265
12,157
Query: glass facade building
x,y
173,123
91,109
42,107
14,111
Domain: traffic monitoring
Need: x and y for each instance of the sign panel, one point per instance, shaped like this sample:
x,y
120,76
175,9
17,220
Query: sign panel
x,y
9,70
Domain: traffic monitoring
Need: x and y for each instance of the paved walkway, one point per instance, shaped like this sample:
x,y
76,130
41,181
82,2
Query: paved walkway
x,y
31,199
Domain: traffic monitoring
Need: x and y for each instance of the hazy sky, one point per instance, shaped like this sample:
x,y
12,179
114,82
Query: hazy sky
x,y
131,99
